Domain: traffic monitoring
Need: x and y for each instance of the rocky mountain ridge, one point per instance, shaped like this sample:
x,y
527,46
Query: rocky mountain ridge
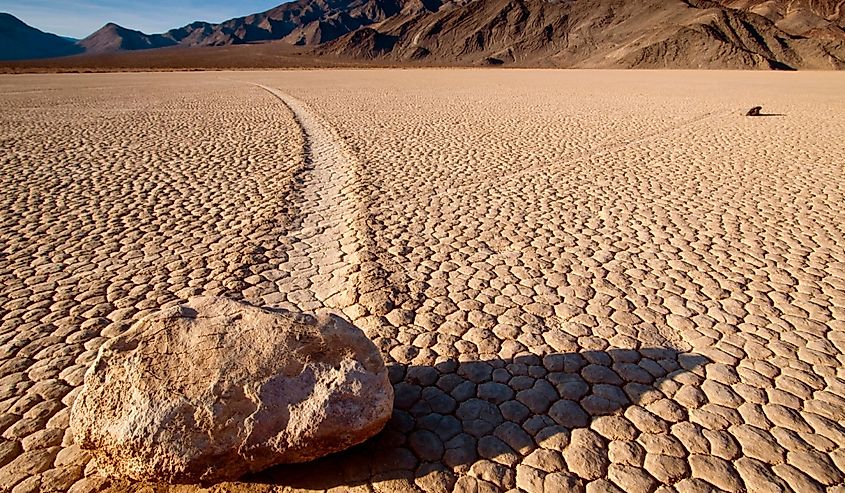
x,y
766,34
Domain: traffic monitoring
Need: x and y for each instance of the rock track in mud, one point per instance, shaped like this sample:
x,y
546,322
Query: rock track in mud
x,y
664,317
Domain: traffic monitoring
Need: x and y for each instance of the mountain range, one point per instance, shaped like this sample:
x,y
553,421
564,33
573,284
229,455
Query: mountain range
x,y
768,34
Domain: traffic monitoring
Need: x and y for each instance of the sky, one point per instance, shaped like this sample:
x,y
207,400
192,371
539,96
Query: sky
x,y
79,18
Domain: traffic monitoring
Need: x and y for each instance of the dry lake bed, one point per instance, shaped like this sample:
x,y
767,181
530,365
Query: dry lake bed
x,y
593,281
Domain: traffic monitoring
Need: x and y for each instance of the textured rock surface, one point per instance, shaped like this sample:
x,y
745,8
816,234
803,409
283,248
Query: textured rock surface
x,y
214,389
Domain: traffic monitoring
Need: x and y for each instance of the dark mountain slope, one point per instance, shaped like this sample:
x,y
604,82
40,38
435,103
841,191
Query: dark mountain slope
x,y
18,41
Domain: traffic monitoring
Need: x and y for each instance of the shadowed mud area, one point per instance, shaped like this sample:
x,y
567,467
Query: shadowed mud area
x,y
552,418
592,281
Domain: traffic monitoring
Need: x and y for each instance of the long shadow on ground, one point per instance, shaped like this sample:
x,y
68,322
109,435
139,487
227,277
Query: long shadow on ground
x,y
490,416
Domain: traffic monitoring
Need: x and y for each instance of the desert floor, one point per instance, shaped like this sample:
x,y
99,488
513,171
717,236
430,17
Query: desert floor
x,y
581,280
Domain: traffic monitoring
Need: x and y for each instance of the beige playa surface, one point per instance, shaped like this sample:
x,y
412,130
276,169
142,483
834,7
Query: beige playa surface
x,y
588,280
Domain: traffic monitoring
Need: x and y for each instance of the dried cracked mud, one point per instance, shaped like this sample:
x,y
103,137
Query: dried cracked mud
x,y
581,281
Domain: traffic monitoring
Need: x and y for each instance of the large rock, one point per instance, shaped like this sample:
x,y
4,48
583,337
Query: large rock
x,y
214,389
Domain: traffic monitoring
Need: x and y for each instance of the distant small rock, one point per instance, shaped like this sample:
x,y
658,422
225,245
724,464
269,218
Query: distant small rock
x,y
755,111
215,389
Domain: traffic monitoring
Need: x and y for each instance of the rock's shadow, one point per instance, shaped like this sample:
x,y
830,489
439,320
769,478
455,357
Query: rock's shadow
x,y
455,415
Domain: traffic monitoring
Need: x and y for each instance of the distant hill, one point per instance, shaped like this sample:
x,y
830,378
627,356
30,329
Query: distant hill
x,y
19,41
303,22
112,37
764,34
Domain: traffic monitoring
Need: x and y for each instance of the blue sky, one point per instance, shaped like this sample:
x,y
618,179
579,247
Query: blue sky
x,y
79,18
